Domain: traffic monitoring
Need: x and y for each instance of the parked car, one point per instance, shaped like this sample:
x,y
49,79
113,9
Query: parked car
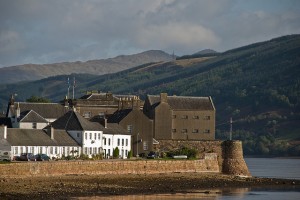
x,y
26,157
5,155
42,157
152,155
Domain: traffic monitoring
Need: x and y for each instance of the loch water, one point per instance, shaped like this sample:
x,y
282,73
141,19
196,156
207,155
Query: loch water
x,y
287,168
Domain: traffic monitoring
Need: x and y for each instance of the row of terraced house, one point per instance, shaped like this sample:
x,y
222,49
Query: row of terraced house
x,y
99,122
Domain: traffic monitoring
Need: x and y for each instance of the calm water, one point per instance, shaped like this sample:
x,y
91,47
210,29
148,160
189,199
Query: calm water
x,y
260,167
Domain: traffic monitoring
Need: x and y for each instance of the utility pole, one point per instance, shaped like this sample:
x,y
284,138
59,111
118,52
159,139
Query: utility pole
x,y
230,132
137,145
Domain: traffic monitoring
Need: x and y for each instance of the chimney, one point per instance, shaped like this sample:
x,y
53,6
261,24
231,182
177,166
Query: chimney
x,y
135,103
66,102
52,132
3,129
103,122
163,97
17,112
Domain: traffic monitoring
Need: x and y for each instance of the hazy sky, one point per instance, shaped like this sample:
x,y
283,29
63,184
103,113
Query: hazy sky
x,y
49,31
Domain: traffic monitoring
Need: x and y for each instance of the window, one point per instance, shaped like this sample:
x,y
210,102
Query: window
x,y
195,130
34,125
108,141
184,131
126,153
78,134
16,150
87,114
91,150
129,128
85,150
145,145
51,150
32,150
196,117
99,136
126,142
95,150
104,141
174,130
41,150
99,150
118,142
184,117
85,136
91,136
122,142
207,131
55,150
95,136
207,118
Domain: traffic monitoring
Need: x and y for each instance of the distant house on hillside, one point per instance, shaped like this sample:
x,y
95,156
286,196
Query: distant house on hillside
x,y
181,117
33,115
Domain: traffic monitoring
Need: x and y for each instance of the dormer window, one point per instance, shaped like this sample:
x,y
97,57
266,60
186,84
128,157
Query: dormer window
x,y
34,126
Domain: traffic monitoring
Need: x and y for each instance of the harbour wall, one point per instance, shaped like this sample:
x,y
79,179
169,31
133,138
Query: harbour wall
x,y
215,156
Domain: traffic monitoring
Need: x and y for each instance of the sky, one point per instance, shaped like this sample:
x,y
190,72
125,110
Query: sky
x,y
43,31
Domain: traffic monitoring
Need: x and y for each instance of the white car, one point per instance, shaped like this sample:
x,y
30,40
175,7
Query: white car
x,y
5,155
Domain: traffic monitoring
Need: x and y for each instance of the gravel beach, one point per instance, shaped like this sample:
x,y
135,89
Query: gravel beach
x,y
68,186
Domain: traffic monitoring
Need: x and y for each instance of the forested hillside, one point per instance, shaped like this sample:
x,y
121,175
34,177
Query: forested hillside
x,y
257,85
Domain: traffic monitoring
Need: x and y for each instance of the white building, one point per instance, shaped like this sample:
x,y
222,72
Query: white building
x,y
93,137
54,143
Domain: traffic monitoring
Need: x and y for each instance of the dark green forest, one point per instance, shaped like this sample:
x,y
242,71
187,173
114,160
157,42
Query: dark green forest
x,y
257,85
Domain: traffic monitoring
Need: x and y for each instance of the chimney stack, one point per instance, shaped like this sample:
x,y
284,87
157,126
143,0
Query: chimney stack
x,y
3,130
52,132
163,97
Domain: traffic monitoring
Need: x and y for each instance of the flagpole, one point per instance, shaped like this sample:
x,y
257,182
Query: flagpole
x,y
68,88
74,87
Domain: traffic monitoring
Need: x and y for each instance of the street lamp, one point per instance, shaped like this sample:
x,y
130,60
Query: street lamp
x,y
137,145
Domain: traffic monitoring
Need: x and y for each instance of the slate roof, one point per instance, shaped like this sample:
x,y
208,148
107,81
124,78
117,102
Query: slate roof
x,y
31,116
36,137
74,121
5,121
184,102
46,110
115,129
118,116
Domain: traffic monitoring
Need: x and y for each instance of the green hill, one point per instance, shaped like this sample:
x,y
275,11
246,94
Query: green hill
x,y
257,85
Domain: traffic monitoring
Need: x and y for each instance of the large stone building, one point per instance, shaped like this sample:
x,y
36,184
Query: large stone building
x,y
96,103
180,117
138,125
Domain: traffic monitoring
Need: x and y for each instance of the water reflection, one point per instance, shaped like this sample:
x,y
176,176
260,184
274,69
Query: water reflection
x,y
212,194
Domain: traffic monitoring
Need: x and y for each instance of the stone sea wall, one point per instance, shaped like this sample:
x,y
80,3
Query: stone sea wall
x,y
54,168
214,156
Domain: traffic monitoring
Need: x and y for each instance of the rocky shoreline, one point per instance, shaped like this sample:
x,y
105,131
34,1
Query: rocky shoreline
x,y
68,186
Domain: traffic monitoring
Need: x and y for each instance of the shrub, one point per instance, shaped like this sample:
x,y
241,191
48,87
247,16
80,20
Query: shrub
x,y
129,155
116,152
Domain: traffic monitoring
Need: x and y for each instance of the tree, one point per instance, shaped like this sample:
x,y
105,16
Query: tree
x,y
116,152
38,99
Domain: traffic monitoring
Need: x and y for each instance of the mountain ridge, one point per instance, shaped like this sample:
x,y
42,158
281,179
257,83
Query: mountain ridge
x,y
31,72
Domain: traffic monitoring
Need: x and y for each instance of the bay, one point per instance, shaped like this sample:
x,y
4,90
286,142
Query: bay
x,y
285,168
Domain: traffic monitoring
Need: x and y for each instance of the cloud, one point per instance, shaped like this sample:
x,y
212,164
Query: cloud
x,y
184,36
38,31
